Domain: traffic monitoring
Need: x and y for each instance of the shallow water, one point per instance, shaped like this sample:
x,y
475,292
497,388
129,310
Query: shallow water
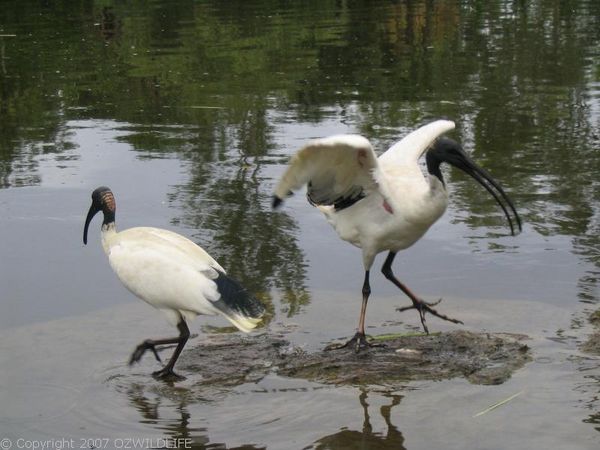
x,y
189,111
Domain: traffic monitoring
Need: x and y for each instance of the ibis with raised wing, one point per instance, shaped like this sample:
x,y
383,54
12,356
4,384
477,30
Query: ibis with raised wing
x,y
385,203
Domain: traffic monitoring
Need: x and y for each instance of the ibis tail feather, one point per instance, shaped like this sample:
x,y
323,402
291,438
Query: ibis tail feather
x,y
237,305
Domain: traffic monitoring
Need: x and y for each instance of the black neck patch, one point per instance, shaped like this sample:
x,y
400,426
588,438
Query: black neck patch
x,y
433,165
109,216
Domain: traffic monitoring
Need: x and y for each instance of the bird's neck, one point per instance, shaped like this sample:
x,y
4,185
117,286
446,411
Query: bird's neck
x,y
433,166
437,185
108,231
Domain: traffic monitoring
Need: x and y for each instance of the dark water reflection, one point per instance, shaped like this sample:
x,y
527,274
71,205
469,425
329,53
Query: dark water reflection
x,y
519,78
170,413
179,426
227,90
366,438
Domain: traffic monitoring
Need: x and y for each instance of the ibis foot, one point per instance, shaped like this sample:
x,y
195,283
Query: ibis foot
x,y
423,307
167,374
359,340
141,349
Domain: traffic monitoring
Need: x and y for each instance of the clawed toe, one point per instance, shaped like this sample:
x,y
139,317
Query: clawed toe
x,y
437,302
426,307
359,340
167,374
164,374
139,351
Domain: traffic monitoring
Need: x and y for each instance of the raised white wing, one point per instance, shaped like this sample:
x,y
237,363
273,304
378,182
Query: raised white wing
x,y
337,170
408,151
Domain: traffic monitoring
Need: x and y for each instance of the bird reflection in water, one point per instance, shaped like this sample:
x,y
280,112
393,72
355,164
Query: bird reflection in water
x,y
366,439
171,416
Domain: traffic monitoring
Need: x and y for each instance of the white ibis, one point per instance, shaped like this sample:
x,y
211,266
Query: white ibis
x,y
173,274
386,203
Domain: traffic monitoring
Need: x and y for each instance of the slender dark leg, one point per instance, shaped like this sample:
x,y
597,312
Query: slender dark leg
x,y
150,344
366,292
421,306
359,339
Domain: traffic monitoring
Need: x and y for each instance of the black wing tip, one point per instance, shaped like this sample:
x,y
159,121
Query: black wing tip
x,y
258,309
237,298
276,202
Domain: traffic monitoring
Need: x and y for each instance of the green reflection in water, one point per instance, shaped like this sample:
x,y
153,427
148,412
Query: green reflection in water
x,y
519,78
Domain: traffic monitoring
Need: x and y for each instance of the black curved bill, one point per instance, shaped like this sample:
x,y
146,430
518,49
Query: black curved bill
x,y
94,209
493,187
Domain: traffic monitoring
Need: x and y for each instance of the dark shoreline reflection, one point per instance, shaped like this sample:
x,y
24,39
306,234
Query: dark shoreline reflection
x,y
254,244
224,199
519,79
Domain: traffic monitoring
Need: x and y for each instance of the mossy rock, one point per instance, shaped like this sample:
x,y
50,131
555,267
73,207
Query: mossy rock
x,y
481,358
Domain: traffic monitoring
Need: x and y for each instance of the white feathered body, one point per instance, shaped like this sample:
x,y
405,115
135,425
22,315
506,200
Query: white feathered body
x,y
399,202
371,227
374,228
169,272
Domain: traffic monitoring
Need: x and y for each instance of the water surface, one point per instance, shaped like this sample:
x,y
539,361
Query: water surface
x,y
189,111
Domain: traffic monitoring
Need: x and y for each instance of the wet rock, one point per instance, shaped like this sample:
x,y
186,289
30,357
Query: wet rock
x,y
233,359
592,345
481,358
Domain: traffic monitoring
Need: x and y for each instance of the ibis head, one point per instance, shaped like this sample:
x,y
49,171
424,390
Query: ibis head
x,y
102,200
445,150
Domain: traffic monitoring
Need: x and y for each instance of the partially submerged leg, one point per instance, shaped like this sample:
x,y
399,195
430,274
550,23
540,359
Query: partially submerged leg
x,y
359,340
150,344
421,306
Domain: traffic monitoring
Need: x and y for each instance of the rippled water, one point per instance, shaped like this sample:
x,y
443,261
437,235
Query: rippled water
x,y
189,111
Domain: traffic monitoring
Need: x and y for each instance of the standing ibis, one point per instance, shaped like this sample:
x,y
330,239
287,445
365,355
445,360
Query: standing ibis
x,y
174,275
386,203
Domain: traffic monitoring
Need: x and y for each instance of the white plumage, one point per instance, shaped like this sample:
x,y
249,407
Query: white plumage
x,y
173,274
386,203
169,272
